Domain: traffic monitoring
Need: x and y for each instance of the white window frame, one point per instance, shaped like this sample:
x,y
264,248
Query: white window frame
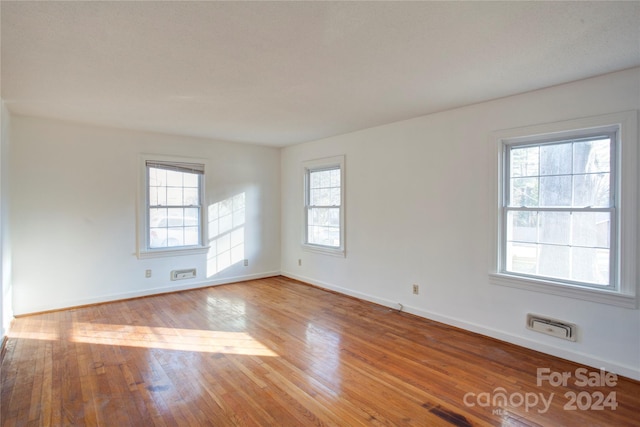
x,y
317,165
623,290
143,249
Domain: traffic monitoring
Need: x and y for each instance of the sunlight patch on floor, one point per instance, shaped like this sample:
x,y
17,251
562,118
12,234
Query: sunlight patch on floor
x,y
169,339
199,340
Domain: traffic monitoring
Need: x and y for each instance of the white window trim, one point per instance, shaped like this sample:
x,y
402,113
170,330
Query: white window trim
x,y
627,239
319,164
143,252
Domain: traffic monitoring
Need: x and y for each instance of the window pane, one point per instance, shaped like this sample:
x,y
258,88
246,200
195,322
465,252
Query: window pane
x,y
591,229
191,236
157,177
314,179
572,246
555,228
325,178
157,196
524,192
175,236
156,215
590,265
591,190
153,180
175,217
334,217
157,237
174,179
554,261
335,178
334,199
191,196
174,196
321,197
522,226
555,159
325,236
525,161
313,234
191,180
522,258
555,191
319,216
191,216
592,156
153,196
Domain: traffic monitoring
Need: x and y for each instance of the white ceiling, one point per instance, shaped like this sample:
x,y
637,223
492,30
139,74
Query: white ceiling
x,y
281,73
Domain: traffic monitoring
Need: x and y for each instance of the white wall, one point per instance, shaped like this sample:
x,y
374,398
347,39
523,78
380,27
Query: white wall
x,y
6,309
419,209
73,204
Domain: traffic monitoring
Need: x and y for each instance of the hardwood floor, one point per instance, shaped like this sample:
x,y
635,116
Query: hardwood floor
x,y
276,352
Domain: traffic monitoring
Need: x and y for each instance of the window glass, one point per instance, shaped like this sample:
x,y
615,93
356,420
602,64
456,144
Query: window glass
x,y
558,213
173,205
324,220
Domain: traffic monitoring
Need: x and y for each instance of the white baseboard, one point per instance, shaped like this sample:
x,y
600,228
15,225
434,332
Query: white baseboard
x,y
179,286
585,359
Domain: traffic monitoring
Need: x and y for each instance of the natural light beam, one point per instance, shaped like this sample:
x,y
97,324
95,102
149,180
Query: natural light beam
x,y
198,340
226,234
41,330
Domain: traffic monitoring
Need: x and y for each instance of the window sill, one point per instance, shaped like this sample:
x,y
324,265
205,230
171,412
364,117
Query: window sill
x,y
337,252
577,292
160,253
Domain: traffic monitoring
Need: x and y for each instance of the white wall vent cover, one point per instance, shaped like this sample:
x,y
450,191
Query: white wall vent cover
x,y
553,327
189,273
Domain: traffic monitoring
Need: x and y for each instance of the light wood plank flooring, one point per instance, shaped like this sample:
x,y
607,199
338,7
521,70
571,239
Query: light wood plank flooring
x,y
276,352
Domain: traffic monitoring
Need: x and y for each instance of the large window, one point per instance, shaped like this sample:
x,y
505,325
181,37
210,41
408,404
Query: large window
x,y
559,209
324,205
567,217
173,214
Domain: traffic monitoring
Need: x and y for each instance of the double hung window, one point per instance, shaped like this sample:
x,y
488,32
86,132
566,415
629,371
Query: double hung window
x,y
324,205
559,209
173,214
566,212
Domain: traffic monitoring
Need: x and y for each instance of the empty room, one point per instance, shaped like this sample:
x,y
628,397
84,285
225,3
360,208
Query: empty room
x,y
319,213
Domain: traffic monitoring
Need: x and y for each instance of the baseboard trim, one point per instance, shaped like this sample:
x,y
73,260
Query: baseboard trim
x,y
577,357
145,293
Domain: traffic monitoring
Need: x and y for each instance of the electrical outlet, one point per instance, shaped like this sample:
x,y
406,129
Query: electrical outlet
x,y
246,262
416,289
299,262
147,273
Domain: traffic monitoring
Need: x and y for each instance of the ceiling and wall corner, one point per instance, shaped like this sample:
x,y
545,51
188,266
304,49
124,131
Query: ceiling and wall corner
x,y
281,73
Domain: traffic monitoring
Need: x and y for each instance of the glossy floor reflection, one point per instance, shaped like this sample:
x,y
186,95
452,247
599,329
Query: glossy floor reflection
x,y
274,352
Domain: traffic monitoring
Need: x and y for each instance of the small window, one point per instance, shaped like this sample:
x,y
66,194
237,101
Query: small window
x,y
324,205
173,214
